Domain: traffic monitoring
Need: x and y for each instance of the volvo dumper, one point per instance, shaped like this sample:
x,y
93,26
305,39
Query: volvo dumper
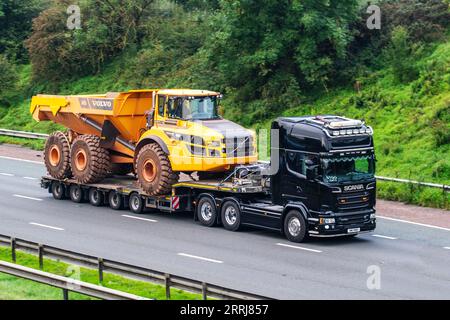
x,y
319,182
157,133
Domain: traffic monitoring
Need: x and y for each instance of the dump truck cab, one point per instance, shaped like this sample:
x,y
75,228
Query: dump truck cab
x,y
188,124
327,167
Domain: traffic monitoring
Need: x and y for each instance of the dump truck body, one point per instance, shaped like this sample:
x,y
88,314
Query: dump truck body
x,y
175,130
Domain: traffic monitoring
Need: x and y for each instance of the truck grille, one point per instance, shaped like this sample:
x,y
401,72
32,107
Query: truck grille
x,y
353,219
359,200
239,146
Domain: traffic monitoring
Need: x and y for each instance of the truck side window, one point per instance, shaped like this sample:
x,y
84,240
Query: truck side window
x,y
161,104
296,162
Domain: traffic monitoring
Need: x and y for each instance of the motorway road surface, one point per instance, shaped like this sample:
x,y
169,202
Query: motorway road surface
x,y
413,260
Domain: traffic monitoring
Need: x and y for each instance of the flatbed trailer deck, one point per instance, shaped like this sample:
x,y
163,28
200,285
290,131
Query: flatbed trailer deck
x,y
212,202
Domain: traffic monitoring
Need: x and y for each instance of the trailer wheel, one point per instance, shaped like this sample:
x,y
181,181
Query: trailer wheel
x,y
90,162
136,203
154,171
206,211
115,200
96,197
295,226
58,190
57,156
76,193
231,216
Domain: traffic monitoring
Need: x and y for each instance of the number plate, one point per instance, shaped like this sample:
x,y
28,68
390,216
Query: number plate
x,y
354,230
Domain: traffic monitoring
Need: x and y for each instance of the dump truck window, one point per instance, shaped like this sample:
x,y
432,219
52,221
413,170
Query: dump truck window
x,y
161,104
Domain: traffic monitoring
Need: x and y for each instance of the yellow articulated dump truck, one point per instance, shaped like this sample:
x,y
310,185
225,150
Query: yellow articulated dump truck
x,y
155,133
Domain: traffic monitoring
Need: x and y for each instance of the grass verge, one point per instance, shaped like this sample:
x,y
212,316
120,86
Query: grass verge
x,y
13,288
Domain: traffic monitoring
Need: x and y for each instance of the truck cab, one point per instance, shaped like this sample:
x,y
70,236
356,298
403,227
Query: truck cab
x,y
195,136
327,170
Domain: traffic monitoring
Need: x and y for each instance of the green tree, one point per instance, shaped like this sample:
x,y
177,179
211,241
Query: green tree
x,y
402,54
271,49
15,25
8,76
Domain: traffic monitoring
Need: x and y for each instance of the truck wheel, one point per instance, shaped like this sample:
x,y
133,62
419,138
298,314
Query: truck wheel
x,y
76,193
206,212
57,156
295,226
96,197
231,216
115,200
155,175
136,203
58,190
90,163
121,169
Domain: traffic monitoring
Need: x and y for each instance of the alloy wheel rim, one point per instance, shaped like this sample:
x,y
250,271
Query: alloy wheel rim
x,y
230,215
294,226
206,211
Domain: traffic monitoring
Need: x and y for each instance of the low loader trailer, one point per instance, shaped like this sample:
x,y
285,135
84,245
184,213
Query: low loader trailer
x,y
320,182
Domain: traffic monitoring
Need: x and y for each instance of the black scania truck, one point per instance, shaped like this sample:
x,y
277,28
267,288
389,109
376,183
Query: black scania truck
x,y
320,182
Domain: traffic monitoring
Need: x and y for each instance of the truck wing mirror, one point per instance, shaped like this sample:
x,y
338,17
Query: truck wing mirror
x,y
311,170
150,117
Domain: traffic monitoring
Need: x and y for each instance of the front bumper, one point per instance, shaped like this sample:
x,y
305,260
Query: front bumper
x,y
341,229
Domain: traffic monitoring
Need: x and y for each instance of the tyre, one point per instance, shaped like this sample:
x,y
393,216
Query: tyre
x,y
155,175
231,216
206,211
136,203
121,169
96,197
115,200
58,190
90,163
57,156
76,193
295,226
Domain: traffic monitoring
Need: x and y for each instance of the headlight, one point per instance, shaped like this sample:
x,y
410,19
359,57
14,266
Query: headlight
x,y
327,220
373,216
174,135
214,144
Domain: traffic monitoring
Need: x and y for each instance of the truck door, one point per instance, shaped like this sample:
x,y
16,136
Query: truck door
x,y
295,185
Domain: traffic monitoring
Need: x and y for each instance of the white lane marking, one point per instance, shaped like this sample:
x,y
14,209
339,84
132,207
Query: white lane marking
x,y
23,160
46,226
6,174
199,258
297,247
139,218
447,248
25,197
30,178
383,237
415,223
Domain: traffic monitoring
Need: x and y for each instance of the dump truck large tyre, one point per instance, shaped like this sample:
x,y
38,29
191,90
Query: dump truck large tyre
x,y
89,161
154,170
57,156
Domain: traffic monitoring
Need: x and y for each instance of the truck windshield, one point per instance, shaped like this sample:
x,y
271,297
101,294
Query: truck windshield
x,y
193,108
346,169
